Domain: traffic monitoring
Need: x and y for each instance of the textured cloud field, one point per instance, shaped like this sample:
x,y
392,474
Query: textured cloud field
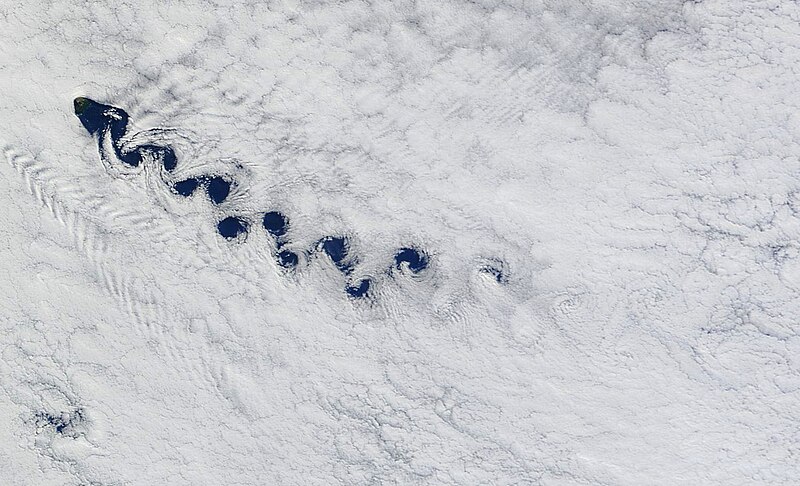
x,y
607,195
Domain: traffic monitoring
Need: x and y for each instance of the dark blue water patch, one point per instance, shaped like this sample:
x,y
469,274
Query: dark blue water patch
x,y
218,189
232,227
168,158
132,158
93,116
287,259
118,125
97,117
495,271
165,154
416,260
275,223
360,289
63,423
338,248
186,188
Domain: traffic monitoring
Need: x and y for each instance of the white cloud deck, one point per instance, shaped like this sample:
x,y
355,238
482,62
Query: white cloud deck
x,y
607,196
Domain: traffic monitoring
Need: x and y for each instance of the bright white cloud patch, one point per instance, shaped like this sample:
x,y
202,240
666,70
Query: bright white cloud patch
x,y
604,197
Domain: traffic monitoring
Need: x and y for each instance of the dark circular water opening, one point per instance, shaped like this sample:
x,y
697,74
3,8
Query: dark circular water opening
x,y
218,189
186,188
275,223
360,289
287,258
231,227
337,248
416,260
